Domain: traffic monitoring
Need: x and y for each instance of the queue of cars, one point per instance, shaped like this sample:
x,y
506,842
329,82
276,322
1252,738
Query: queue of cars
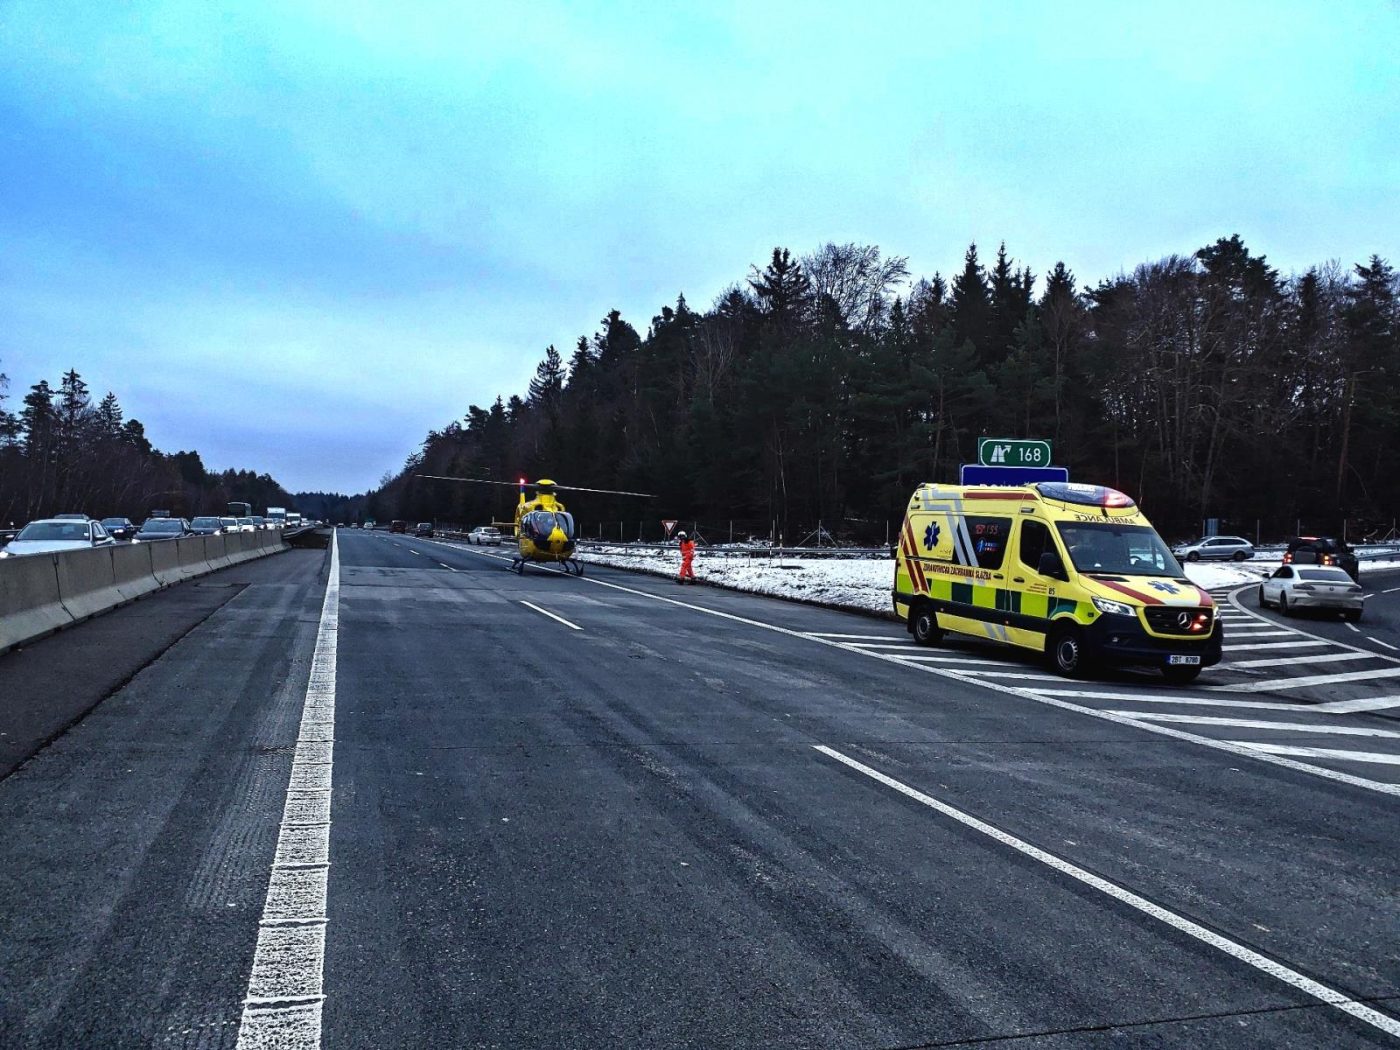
x,y
64,532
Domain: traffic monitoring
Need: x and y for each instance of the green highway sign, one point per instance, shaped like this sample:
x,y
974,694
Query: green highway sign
x,y
1012,452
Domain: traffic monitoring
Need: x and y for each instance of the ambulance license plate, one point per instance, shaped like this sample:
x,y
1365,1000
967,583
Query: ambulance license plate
x,y
1189,661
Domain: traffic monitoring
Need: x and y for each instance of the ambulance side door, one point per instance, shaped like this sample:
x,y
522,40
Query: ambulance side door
x,y
1038,593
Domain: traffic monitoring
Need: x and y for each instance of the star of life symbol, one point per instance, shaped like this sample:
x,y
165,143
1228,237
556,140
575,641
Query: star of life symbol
x,y
931,536
1165,588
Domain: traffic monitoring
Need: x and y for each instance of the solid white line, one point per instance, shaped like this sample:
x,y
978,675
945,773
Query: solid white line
x,y
1188,701
1234,949
853,637
1231,647
935,658
1329,753
551,615
1370,703
1013,674
1251,634
1302,661
1373,638
285,989
1025,693
1252,723
1309,680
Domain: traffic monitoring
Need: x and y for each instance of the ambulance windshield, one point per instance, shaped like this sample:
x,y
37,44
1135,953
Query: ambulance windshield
x,y
1110,548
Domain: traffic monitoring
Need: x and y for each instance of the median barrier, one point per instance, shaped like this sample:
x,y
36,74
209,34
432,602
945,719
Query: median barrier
x,y
165,561
41,593
87,582
29,601
133,568
193,555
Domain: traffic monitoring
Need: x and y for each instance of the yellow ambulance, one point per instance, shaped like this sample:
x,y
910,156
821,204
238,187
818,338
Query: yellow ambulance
x,y
1071,571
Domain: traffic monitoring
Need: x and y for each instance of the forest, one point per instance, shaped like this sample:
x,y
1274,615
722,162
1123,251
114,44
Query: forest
x,y
62,453
823,388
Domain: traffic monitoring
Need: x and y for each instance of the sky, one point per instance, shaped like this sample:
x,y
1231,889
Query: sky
x,y
297,236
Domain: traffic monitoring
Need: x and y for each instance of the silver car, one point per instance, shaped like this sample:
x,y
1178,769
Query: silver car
x,y
1230,548
57,534
1294,587
485,535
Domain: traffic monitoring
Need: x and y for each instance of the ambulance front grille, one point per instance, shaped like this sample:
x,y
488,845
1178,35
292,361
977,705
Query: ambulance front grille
x,y
1177,619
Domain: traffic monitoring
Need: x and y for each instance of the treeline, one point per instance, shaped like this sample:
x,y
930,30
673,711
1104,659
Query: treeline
x,y
824,388
61,453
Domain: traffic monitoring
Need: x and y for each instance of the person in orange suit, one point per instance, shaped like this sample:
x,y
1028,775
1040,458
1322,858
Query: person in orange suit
x,y
687,557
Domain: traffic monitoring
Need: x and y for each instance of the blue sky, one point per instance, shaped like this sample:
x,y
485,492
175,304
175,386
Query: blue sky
x,y
297,236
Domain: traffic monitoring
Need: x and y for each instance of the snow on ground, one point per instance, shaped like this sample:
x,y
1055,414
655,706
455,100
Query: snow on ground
x,y
862,584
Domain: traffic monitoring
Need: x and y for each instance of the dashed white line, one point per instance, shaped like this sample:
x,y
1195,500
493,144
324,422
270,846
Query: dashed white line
x,y
551,615
283,1005
1234,949
1352,627
1373,638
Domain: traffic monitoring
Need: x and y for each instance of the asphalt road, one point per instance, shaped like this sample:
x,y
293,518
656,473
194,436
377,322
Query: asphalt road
x,y
614,812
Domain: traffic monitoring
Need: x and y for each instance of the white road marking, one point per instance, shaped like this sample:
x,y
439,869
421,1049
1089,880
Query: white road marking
x,y
1230,747
1234,949
1235,601
938,658
551,615
285,990
1352,627
1328,753
1028,675
1390,590
1251,633
1190,701
412,551
1302,661
853,637
446,566
1373,638
1370,703
1310,680
1254,723
1231,647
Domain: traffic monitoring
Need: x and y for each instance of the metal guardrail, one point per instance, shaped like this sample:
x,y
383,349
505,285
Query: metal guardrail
x,y
751,552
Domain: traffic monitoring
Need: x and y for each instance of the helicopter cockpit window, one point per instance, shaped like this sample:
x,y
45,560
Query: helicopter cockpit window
x,y
566,522
538,524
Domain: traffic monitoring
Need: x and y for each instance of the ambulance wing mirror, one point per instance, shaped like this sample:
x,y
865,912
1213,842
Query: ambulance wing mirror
x,y
1050,565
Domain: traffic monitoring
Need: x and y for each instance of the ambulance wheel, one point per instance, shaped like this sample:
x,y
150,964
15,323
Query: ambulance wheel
x,y
1065,647
1180,675
923,625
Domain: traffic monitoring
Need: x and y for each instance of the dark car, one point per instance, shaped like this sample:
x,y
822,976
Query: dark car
x,y
423,528
398,526
119,528
1322,550
207,525
163,529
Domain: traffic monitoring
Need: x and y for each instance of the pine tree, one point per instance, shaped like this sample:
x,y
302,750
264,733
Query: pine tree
x,y
970,305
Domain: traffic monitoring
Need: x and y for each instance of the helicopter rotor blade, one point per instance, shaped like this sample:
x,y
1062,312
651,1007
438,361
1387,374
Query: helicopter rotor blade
x,y
473,481
609,492
535,484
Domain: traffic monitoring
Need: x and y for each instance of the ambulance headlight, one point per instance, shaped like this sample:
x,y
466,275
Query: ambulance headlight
x,y
1107,605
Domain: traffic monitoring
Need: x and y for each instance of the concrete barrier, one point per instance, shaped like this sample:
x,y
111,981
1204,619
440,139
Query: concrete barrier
x,y
133,569
164,556
29,601
41,593
87,582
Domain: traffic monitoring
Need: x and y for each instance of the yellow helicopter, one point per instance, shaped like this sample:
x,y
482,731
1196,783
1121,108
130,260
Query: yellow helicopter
x,y
544,531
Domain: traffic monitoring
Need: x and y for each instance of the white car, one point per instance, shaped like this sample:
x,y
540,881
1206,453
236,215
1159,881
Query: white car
x,y
485,536
1235,548
49,535
1294,587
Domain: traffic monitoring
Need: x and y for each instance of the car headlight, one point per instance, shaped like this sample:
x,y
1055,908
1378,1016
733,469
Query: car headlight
x,y
1108,605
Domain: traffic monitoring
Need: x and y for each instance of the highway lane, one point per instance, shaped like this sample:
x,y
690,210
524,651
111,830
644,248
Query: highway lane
x,y
623,834
600,818
134,861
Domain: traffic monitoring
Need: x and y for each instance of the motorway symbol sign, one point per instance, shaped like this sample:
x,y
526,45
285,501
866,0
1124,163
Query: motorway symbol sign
x,y
974,474
1012,452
